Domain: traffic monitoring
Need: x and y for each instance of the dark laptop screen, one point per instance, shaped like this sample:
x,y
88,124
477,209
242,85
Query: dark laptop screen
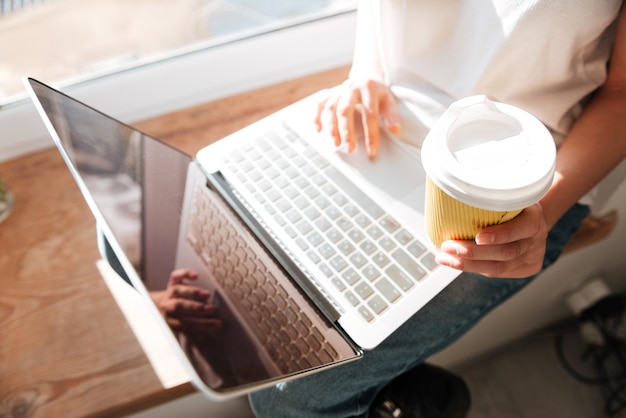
x,y
147,194
136,182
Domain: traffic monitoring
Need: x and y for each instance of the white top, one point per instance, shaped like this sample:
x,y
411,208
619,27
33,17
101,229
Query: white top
x,y
544,56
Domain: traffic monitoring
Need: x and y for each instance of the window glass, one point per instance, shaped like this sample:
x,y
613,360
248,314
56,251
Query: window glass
x,y
57,40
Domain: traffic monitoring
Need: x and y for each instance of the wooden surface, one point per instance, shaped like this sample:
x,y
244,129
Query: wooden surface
x,y
65,348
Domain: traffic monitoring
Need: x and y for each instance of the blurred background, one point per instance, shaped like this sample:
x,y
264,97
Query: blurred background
x,y
61,40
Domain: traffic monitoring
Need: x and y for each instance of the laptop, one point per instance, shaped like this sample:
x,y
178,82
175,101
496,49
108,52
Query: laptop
x,y
309,256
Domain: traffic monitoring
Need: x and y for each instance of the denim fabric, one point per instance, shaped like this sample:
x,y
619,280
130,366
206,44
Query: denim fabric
x,y
347,391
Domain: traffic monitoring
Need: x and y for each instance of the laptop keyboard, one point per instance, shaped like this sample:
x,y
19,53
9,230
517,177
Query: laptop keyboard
x,y
291,339
364,253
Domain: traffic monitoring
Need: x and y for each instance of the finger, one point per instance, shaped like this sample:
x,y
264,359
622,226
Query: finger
x,y
369,119
469,250
528,264
493,269
390,115
180,275
177,308
527,224
328,120
182,291
318,114
345,120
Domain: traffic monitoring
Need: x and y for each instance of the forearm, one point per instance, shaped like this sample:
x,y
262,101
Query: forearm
x,y
596,142
366,60
595,145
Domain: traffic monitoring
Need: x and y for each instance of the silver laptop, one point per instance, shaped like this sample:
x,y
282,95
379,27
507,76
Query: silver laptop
x,y
310,255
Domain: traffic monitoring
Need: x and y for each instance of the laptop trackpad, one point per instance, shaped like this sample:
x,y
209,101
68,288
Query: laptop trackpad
x,y
396,173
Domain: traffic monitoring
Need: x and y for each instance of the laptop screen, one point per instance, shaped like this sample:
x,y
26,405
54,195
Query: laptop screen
x,y
239,321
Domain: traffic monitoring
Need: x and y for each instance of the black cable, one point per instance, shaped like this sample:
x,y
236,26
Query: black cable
x,y
607,356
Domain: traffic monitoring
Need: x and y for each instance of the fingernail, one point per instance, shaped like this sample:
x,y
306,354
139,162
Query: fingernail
x,y
373,151
450,247
447,260
485,238
395,129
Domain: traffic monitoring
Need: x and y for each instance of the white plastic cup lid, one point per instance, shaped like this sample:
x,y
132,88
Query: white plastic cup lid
x,y
490,155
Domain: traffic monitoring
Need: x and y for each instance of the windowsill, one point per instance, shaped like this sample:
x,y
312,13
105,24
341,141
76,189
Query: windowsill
x,y
192,78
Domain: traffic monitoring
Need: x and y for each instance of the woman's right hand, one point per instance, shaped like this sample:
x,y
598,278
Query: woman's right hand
x,y
368,98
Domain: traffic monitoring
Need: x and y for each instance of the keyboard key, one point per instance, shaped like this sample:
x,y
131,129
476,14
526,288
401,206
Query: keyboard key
x,y
332,212
344,224
351,210
362,221
315,239
327,251
304,227
387,289
312,213
363,290
329,189
351,276
293,217
340,199
366,314
377,304
334,235
389,224
301,202
358,260
408,264
338,284
387,244
326,270
371,273
404,237
403,281
338,263
351,298
428,260
356,235
368,247
346,248
374,232
381,260
322,202
322,224
313,256
416,249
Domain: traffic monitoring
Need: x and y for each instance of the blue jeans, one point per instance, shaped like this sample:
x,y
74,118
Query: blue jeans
x,y
348,390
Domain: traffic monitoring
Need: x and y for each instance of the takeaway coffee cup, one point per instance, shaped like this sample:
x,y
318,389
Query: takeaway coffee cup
x,y
485,162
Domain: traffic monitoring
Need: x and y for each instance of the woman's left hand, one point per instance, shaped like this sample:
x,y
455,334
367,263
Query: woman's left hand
x,y
514,249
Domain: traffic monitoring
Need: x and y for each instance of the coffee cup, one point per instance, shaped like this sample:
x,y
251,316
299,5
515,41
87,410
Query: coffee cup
x,y
485,162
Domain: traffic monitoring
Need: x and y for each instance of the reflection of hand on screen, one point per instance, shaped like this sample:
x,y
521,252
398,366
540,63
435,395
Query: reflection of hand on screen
x,y
185,307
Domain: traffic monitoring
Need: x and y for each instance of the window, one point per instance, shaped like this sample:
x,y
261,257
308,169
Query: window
x,y
76,39
136,59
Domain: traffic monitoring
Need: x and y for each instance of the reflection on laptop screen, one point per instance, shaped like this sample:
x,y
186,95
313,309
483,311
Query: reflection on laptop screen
x,y
162,218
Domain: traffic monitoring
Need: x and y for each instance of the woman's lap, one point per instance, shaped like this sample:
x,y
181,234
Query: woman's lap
x,y
347,391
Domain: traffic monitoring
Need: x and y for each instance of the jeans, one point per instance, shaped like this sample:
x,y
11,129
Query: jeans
x,y
348,390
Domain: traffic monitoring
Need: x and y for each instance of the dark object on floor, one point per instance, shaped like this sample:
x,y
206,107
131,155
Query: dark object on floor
x,y
602,327
425,391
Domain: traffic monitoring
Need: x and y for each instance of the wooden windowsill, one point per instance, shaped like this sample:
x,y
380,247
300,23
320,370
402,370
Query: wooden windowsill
x,y
67,349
